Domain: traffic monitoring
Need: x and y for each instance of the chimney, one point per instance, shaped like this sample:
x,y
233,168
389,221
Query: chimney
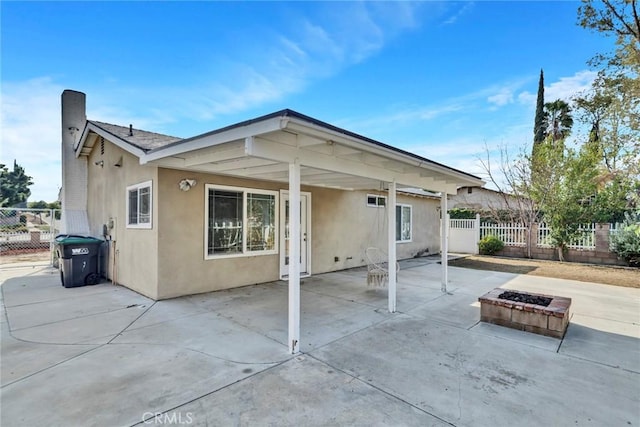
x,y
74,169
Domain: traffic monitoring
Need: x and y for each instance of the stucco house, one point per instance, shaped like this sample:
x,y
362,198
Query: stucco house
x,y
233,206
482,199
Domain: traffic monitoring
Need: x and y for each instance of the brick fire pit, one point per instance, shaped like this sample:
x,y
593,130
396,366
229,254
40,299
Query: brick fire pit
x,y
551,320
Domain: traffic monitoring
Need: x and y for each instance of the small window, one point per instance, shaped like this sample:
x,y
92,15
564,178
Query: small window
x,y
469,190
139,205
240,221
403,223
375,201
226,224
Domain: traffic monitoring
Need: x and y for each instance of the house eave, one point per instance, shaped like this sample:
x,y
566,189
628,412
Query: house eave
x,y
90,135
315,128
277,139
215,138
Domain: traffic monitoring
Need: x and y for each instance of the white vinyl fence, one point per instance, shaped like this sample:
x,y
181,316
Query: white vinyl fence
x,y
464,235
511,234
587,240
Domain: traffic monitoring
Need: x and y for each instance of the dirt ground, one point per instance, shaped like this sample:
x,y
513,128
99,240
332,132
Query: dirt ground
x,y
24,256
618,276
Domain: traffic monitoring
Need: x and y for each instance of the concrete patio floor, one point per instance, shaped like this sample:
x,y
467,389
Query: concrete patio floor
x,y
106,356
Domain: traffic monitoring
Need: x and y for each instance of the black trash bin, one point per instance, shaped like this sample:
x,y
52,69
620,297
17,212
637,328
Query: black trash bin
x,y
78,260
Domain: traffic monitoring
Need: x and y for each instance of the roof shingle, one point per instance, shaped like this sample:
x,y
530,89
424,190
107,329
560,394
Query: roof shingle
x,y
141,139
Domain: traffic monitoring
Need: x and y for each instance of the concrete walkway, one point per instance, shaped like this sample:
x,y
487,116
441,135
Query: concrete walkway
x,y
106,356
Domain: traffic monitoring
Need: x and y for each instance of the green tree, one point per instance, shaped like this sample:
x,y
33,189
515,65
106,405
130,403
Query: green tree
x,y
626,242
565,180
540,124
38,205
57,206
14,185
621,68
54,205
617,18
612,107
559,120
609,112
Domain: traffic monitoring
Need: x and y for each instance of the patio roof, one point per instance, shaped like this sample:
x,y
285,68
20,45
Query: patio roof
x,y
263,148
295,149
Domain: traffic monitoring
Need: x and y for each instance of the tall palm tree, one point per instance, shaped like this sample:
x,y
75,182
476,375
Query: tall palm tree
x,y
559,120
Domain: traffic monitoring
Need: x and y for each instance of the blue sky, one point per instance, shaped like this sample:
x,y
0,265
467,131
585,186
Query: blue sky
x,y
440,79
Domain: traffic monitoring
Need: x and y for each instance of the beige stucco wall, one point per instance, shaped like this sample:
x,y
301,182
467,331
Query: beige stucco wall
x,y
342,226
183,269
135,249
168,260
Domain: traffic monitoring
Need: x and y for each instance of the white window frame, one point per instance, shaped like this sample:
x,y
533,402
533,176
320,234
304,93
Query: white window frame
x,y
399,218
138,187
378,199
245,191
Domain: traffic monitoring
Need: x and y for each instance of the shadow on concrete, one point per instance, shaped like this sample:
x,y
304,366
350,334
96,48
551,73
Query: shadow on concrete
x,y
600,346
488,266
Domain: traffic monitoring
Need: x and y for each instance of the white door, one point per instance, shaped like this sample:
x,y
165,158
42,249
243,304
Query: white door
x,y
305,234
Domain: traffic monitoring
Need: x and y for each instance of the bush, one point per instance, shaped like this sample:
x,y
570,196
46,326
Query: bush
x,y
489,245
626,242
462,213
14,228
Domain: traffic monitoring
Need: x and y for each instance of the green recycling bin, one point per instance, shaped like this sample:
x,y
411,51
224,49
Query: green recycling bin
x,y
78,260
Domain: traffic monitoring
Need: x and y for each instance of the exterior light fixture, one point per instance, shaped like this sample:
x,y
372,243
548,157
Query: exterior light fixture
x,y
186,184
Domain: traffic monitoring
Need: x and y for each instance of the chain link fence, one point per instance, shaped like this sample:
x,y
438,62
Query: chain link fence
x,y
28,235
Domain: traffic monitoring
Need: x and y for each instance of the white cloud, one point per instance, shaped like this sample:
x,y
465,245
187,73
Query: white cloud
x,y
503,97
313,48
527,98
565,88
460,152
278,65
496,95
31,133
30,123
460,12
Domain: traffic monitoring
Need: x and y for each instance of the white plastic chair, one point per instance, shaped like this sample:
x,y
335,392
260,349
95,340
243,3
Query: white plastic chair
x,y
377,267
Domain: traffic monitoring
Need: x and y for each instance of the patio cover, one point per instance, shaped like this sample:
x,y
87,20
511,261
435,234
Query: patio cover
x,y
292,148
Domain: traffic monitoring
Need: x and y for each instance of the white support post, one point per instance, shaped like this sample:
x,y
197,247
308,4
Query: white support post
x,y
444,241
294,256
391,210
476,233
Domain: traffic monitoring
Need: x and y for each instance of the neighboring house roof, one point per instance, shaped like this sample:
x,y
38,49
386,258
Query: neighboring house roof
x,y
462,192
481,198
486,189
261,148
419,192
